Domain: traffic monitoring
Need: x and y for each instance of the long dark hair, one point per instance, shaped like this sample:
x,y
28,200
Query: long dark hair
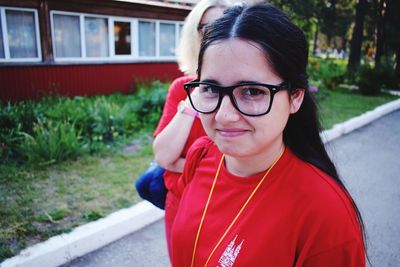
x,y
286,50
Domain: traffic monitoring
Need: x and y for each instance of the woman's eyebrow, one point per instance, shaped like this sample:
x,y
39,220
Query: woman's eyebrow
x,y
210,81
236,83
240,82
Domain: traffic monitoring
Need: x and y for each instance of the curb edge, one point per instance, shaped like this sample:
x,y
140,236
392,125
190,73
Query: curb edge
x,y
83,239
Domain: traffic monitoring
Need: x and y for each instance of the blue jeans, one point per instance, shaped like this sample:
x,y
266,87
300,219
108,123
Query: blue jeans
x,y
150,185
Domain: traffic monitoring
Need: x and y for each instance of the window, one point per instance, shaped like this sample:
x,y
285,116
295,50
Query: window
x,y
122,38
1,41
96,37
67,41
147,38
167,39
88,37
19,35
180,29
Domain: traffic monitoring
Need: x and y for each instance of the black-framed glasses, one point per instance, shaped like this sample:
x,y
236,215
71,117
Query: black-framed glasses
x,y
249,98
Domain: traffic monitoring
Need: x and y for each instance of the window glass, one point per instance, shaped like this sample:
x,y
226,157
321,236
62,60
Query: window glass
x,y
21,34
180,30
1,41
167,39
122,38
96,37
147,39
67,39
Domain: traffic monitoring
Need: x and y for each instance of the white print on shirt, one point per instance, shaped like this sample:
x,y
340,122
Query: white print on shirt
x,y
230,254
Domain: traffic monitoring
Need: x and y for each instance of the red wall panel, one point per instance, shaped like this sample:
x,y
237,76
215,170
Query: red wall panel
x,y
31,82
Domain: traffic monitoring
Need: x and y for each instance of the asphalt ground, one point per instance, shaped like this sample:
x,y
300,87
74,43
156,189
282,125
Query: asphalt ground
x,y
368,160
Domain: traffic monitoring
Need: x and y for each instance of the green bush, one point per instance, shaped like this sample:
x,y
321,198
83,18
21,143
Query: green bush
x,y
73,110
148,103
14,119
330,72
59,128
387,74
372,78
369,80
51,142
102,120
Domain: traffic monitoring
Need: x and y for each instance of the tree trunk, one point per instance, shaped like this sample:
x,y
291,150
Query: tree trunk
x,y
344,42
315,45
380,32
357,36
398,65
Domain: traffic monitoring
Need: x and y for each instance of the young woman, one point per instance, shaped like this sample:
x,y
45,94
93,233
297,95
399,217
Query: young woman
x,y
260,190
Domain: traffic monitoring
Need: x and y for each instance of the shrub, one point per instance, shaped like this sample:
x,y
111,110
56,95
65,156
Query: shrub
x,y
372,78
51,142
149,101
387,73
330,72
102,119
369,80
16,118
72,110
59,128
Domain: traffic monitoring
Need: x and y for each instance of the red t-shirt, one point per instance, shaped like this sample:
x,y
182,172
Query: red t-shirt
x,y
298,217
176,93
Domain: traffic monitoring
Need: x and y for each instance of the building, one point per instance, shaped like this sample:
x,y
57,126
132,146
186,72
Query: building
x,y
86,47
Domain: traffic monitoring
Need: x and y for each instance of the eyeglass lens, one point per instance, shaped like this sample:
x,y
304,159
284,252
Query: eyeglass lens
x,y
249,99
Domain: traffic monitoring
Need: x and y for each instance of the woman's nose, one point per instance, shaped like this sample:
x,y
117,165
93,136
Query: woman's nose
x,y
226,111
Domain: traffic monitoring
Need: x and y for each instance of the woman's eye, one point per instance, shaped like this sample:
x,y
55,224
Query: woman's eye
x,y
252,91
209,89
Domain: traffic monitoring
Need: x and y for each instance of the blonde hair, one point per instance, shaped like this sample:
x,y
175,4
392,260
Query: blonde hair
x,y
189,44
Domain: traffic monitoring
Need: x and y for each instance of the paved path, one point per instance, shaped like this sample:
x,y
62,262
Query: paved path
x,y
368,159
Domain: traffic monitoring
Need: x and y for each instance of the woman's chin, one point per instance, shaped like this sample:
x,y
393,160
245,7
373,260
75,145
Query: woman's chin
x,y
229,150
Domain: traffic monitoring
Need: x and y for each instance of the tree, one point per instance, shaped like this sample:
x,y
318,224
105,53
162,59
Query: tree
x,y
392,29
301,12
357,36
380,30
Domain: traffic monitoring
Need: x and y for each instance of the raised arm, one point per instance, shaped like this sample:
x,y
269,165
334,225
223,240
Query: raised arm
x,y
174,128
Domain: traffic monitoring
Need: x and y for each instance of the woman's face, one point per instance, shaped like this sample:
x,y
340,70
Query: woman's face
x,y
230,62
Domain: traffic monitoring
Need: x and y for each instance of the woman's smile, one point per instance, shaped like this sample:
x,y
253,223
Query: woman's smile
x,y
231,132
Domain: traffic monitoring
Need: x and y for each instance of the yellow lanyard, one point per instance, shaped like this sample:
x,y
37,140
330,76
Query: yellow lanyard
x,y
237,215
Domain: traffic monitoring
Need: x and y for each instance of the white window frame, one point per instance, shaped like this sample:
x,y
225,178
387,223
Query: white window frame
x,y
82,36
6,45
176,41
156,40
83,46
112,39
177,37
134,56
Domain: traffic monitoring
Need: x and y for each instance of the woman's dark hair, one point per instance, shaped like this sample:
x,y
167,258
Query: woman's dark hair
x,y
286,49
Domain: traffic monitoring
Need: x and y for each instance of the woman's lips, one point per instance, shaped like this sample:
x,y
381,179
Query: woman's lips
x,y
231,132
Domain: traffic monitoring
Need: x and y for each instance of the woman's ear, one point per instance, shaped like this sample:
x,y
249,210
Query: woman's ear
x,y
296,98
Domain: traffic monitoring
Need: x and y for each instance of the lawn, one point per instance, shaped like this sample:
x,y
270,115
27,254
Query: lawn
x,y
341,105
37,202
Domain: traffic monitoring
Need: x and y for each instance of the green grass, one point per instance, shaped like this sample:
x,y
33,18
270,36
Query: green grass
x,y
39,202
341,105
